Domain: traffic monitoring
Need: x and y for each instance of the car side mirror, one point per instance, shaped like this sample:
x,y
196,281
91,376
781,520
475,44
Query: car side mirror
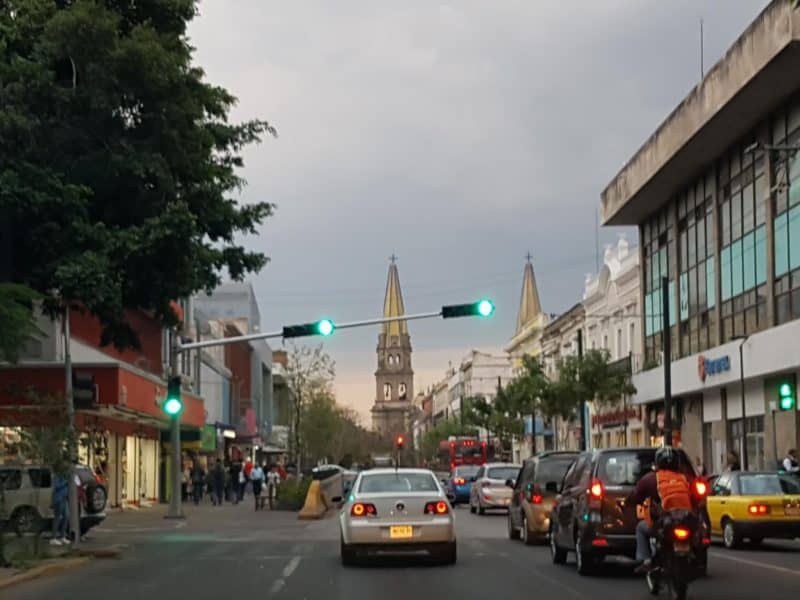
x,y
552,487
348,485
510,483
473,479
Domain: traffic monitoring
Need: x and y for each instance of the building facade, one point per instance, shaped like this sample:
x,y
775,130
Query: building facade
x,y
612,312
394,377
715,193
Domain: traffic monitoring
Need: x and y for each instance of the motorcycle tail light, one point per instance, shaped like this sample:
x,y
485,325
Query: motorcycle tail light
x,y
681,533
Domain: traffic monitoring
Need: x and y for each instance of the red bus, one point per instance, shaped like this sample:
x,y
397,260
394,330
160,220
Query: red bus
x,y
463,451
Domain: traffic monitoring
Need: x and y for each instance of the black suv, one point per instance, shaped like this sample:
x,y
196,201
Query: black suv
x,y
590,517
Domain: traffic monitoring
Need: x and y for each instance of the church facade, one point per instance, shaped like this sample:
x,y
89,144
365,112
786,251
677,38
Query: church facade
x,y
394,377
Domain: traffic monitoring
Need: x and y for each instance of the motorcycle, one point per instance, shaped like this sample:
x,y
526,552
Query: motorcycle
x,y
675,548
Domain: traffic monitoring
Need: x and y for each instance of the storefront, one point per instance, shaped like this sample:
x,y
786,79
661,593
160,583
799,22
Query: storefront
x,y
617,427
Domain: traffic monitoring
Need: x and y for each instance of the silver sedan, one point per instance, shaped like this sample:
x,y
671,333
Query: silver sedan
x,y
397,511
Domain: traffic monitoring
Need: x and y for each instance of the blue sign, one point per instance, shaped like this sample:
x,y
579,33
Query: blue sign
x,y
708,366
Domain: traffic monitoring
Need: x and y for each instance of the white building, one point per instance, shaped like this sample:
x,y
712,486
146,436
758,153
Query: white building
x,y
611,301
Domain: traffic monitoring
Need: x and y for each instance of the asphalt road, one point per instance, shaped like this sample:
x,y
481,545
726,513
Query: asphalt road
x,y
233,552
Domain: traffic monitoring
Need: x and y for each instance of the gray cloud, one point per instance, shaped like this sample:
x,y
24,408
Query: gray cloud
x,y
460,135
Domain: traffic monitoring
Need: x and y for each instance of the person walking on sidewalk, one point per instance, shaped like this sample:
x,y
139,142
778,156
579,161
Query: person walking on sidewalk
x,y
218,483
273,478
185,479
257,478
60,512
198,481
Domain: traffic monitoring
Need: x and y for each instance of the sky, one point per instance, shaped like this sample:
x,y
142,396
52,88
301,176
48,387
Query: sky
x,y
459,136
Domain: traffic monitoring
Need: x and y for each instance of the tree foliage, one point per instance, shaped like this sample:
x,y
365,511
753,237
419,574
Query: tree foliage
x,y
117,161
17,319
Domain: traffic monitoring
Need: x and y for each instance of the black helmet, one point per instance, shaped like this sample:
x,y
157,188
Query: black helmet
x,y
666,458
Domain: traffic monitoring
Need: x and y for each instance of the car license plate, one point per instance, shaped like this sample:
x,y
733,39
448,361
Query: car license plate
x,y
401,531
792,511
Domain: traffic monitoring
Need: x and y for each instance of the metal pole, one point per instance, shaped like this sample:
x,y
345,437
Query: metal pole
x,y
666,336
741,391
72,488
774,438
175,499
582,401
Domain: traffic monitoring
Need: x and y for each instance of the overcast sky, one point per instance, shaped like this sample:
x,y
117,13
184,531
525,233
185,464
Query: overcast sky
x,y
459,136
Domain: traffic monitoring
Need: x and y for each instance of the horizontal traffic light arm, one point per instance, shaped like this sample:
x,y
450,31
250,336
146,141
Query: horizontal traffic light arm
x,y
481,308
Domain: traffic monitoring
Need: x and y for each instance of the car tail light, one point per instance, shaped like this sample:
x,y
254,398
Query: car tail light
x,y
361,509
459,481
437,508
681,533
706,541
600,543
758,509
596,490
701,488
536,498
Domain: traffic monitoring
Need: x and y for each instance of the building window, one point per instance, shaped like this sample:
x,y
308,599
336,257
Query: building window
x,y
755,440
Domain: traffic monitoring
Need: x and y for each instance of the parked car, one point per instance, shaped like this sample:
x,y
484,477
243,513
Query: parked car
x,y
489,489
459,484
590,517
26,493
753,506
534,495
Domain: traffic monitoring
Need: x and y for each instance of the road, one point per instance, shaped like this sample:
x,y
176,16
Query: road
x,y
234,552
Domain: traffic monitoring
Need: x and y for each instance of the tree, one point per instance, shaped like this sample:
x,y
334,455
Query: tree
x,y
118,163
17,319
309,375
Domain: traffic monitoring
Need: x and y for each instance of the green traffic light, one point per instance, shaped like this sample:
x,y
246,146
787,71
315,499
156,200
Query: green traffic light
x,y
785,390
786,396
485,308
325,327
173,406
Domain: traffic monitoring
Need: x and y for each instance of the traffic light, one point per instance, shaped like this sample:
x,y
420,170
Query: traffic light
x,y
84,390
481,308
399,442
787,398
173,404
324,327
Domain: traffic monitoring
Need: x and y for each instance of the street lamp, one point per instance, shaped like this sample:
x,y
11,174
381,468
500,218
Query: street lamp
x,y
743,450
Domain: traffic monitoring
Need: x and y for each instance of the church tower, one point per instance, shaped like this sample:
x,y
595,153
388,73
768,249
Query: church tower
x,y
394,377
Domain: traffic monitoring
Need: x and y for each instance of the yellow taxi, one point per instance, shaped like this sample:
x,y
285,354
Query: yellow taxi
x,y
754,505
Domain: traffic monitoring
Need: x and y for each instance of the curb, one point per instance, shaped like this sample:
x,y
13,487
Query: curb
x,y
44,570
109,552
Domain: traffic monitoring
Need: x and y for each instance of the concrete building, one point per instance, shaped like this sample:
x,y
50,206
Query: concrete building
x,y
611,304
441,399
531,320
394,377
559,340
715,193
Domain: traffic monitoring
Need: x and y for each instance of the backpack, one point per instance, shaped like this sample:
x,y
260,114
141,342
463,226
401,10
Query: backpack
x,y
673,489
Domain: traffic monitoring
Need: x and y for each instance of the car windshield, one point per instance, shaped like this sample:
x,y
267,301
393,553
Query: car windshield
x,y
502,473
397,482
552,469
763,484
466,471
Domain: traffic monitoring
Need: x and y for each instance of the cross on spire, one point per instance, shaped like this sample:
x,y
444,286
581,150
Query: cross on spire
x,y
528,257
393,258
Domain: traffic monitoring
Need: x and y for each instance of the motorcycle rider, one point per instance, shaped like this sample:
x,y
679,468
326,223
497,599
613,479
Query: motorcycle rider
x,y
663,489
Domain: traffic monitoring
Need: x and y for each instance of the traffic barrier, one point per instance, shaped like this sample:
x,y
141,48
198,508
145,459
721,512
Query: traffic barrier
x,y
315,506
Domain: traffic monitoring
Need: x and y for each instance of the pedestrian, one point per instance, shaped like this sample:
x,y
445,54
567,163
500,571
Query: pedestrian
x,y
186,477
198,480
60,512
242,485
699,466
218,481
790,464
732,463
273,479
257,478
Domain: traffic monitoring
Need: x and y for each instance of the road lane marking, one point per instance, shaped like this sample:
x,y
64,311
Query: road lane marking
x,y
277,586
289,569
756,563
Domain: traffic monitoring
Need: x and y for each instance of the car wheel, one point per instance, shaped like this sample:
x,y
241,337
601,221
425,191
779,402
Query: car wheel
x,y
513,532
449,554
730,537
481,510
26,520
558,554
347,553
585,561
527,539
96,501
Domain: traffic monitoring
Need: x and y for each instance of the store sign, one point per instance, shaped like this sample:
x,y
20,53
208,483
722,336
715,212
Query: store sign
x,y
707,366
615,417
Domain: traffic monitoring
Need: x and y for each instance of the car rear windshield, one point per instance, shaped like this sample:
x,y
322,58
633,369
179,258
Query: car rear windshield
x,y
763,484
466,471
397,482
626,468
552,469
503,473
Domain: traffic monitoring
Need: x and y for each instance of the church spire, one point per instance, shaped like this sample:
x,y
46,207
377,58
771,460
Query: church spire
x,y
393,302
529,305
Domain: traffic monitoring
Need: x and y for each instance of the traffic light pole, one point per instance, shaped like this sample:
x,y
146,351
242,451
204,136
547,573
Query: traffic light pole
x,y
175,498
